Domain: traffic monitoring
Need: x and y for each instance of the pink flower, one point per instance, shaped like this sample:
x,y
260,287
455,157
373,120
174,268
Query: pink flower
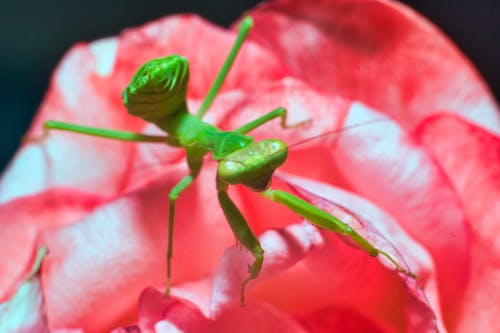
x,y
423,184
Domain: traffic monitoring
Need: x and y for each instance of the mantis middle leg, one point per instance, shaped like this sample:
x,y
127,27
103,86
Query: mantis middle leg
x,y
195,160
278,112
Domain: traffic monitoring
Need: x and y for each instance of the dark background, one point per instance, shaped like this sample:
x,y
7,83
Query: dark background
x,y
35,34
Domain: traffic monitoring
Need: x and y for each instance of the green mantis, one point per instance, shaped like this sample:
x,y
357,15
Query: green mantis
x,y
157,94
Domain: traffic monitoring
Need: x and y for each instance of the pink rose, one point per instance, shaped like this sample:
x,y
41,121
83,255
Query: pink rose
x,y
423,184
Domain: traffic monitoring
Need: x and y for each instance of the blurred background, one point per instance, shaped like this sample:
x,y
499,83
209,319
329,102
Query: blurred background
x,y
35,34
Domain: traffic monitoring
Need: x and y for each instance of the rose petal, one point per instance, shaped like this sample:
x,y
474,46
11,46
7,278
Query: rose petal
x,y
306,286
379,52
183,34
22,219
322,113
127,329
257,317
160,315
78,93
156,312
283,248
311,111
86,89
24,312
470,157
392,170
385,234
114,240
334,319
107,258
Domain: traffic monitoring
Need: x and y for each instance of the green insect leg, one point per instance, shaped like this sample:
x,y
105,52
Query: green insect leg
x,y
278,112
95,131
173,195
327,221
243,234
245,26
195,162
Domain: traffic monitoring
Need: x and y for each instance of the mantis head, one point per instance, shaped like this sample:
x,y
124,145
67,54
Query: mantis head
x,y
253,165
158,89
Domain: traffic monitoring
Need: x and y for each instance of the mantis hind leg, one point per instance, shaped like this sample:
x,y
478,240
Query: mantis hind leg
x,y
95,131
243,234
278,112
244,29
327,221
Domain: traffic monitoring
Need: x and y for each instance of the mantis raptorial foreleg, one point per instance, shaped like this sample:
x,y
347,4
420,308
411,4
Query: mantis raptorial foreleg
x,y
327,221
243,234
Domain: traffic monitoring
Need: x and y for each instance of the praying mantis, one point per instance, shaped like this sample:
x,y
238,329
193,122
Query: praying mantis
x,y
157,94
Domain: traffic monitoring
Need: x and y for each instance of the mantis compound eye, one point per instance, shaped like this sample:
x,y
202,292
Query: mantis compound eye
x,y
158,89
